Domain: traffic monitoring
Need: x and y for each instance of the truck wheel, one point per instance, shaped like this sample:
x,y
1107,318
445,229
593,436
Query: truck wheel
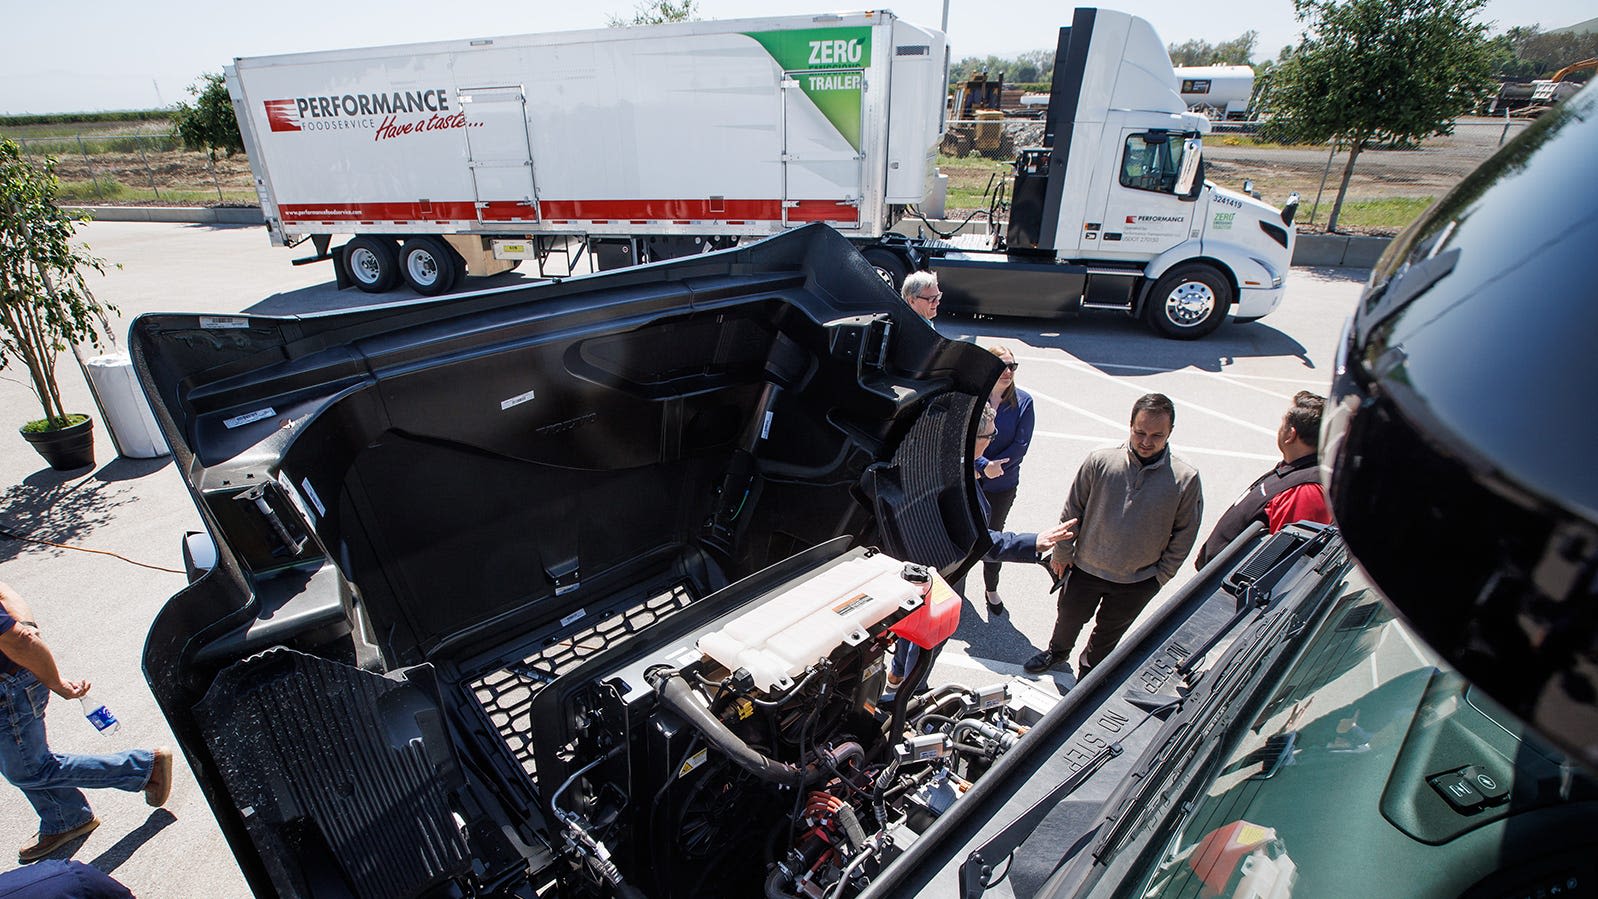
x,y
1188,302
372,263
890,268
429,266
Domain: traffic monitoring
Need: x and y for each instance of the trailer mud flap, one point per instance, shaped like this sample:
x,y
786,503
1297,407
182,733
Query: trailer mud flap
x,y
342,776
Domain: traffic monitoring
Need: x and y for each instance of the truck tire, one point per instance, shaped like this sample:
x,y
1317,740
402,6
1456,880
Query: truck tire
x,y
429,266
890,267
373,264
1188,302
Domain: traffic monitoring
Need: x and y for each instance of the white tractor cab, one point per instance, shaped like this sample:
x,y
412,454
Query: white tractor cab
x,y
1113,212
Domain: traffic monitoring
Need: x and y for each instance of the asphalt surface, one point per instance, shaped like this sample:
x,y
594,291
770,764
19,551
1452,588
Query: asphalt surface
x,y
118,525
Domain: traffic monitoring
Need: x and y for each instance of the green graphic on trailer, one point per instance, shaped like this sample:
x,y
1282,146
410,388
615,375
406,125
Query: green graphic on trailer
x,y
820,60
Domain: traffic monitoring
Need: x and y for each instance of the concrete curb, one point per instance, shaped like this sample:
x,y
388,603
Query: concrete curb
x,y
1310,249
1339,249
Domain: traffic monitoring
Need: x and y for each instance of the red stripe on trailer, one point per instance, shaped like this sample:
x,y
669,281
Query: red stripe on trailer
x,y
677,212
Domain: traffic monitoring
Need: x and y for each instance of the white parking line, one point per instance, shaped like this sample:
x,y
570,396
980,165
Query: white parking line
x,y
1184,403
1181,448
1057,682
1117,427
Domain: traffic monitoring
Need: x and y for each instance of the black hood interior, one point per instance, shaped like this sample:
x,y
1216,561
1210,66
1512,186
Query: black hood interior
x,y
502,459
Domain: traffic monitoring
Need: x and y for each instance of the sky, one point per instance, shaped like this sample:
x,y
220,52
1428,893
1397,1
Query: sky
x,y
93,55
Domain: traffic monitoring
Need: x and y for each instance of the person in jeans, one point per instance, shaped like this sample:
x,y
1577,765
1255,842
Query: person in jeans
x,y
999,466
1140,507
51,781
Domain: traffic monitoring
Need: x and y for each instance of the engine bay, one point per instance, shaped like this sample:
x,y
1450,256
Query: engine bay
x,y
757,753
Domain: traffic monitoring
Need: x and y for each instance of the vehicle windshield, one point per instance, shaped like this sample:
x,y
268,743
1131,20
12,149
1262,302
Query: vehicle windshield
x,y
1371,768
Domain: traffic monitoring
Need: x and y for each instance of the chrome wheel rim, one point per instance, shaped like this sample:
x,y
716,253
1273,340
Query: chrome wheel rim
x,y
1189,304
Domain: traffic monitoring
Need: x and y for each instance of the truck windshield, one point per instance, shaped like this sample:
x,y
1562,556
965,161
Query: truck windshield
x,y
1370,768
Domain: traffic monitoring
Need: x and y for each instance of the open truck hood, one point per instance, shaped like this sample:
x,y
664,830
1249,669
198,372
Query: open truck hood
x,y
399,493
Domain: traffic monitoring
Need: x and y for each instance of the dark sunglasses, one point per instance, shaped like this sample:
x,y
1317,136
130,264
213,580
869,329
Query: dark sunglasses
x,y
1012,366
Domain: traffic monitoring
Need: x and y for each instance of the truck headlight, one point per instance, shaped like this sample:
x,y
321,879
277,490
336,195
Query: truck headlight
x,y
1276,277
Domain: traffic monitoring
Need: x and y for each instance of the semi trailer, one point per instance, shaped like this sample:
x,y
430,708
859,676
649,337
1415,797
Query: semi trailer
x,y
633,145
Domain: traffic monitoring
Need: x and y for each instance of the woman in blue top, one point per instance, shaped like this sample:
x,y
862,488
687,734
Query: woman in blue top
x,y
999,467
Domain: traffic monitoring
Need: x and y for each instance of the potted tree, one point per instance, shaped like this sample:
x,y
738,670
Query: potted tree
x,y
45,303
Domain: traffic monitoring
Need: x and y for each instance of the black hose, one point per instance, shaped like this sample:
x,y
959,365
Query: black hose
x,y
774,888
926,719
901,702
676,694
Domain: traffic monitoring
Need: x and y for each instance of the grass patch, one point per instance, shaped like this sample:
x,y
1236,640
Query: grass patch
x,y
80,143
969,179
81,118
1249,140
1390,212
111,190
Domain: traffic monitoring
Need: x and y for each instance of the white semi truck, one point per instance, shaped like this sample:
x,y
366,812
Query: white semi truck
x,y
640,144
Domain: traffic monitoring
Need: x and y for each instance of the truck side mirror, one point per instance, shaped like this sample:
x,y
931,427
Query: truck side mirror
x,y
1192,152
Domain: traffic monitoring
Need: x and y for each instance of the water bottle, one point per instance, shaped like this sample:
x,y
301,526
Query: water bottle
x,y
99,715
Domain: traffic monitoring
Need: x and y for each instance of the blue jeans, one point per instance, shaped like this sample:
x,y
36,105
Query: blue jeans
x,y
48,779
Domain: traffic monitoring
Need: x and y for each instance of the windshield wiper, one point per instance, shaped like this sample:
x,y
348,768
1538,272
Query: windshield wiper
x,y
1256,580
976,870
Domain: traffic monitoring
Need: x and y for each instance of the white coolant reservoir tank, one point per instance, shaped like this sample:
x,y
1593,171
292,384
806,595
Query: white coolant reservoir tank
x,y
802,625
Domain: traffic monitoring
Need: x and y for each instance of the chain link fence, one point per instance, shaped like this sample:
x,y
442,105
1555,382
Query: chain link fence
x,y
1389,188
135,168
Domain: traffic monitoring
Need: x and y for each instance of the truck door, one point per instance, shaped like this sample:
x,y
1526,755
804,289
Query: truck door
x,y
822,165
499,153
1143,216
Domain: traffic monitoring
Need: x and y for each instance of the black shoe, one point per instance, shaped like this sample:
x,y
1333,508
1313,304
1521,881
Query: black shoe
x,y
1045,660
995,606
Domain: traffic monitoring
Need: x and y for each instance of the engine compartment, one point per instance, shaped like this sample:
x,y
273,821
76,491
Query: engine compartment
x,y
672,773
495,607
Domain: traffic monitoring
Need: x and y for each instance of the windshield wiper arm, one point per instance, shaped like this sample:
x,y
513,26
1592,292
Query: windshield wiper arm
x,y
977,868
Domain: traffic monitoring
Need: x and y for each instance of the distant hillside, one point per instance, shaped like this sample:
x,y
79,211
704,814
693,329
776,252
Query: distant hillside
x,y
1578,28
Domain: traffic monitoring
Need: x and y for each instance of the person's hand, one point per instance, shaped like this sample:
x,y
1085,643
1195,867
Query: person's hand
x,y
995,468
1065,530
1058,566
71,689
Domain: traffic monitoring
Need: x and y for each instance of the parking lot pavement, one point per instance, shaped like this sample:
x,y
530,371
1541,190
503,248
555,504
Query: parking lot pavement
x,y
95,598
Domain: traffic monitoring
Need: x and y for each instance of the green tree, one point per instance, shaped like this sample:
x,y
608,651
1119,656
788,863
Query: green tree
x,y
209,124
1371,71
1029,67
45,302
1239,51
1528,52
657,12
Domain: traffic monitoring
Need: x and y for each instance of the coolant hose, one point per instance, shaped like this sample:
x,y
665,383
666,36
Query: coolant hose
x,y
676,694
903,698
774,881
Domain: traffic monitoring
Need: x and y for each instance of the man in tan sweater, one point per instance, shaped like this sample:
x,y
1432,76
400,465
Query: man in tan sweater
x,y
1140,508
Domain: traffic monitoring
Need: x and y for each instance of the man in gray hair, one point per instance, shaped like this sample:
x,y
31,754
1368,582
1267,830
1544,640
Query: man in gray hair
x,y
921,291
